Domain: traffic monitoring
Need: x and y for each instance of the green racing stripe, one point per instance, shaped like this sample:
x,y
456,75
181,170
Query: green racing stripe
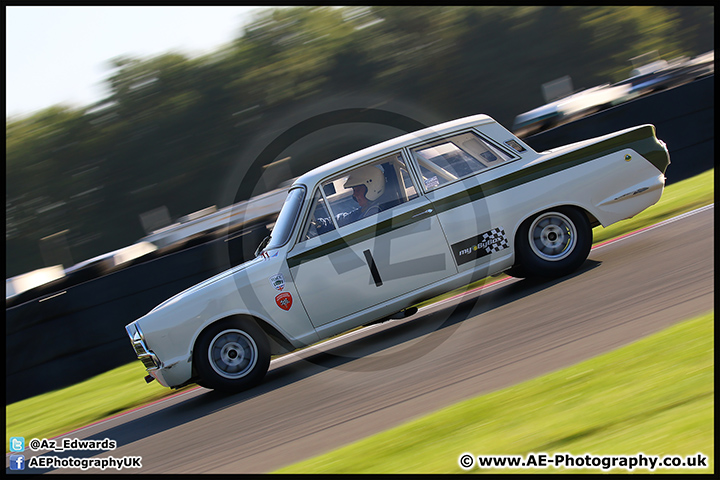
x,y
641,139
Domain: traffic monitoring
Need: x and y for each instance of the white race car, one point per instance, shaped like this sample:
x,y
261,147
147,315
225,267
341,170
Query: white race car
x,y
367,236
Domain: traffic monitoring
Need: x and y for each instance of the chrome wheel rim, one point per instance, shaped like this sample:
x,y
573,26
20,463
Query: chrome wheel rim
x,y
552,236
232,353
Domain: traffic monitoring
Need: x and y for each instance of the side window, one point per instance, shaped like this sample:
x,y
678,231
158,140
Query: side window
x,y
370,189
318,221
456,157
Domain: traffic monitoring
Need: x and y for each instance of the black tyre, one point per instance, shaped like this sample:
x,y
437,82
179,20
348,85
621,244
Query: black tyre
x,y
232,355
552,244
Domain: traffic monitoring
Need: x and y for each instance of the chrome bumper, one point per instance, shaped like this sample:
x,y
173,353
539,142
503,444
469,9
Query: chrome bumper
x,y
147,357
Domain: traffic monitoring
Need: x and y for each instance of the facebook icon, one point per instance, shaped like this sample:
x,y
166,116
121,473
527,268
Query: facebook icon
x,y
17,462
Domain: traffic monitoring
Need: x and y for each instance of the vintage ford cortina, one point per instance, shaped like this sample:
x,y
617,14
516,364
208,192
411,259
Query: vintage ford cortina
x,y
365,237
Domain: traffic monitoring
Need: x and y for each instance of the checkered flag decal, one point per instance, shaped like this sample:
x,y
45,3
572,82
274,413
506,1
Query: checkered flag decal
x,y
480,246
495,240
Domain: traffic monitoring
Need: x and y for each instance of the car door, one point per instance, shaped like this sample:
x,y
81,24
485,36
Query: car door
x,y
460,174
344,263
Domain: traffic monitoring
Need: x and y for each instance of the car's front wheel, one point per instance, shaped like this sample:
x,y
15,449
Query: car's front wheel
x,y
553,243
232,355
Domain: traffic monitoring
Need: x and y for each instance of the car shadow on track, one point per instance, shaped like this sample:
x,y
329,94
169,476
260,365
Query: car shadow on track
x,y
371,349
411,338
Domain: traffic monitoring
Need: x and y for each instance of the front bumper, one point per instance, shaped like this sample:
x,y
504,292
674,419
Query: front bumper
x,y
144,354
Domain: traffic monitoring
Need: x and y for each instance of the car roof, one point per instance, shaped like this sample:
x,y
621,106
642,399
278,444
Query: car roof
x,y
356,158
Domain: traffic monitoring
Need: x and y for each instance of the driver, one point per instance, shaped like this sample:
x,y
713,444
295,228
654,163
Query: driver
x,y
368,185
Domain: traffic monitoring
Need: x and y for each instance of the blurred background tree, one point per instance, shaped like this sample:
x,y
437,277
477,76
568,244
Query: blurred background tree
x,y
173,127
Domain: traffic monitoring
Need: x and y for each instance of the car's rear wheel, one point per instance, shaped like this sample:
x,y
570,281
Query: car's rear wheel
x,y
232,355
553,243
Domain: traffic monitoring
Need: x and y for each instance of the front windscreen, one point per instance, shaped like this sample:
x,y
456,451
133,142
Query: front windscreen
x,y
287,218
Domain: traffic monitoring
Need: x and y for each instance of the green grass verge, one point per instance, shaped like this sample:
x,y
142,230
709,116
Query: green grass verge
x,y
121,389
655,396
60,411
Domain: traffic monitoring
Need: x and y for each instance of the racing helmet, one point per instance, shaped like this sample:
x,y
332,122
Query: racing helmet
x,y
370,176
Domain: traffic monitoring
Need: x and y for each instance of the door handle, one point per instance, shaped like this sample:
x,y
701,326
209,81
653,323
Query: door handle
x,y
373,268
426,212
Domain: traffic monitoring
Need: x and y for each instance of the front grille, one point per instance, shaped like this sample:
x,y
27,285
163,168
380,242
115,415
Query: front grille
x,y
148,362
139,350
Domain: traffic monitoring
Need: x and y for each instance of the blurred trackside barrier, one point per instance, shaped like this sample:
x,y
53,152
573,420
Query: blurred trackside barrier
x,y
63,338
684,118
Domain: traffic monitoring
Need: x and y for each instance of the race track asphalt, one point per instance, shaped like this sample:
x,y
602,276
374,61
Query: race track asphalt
x,y
387,374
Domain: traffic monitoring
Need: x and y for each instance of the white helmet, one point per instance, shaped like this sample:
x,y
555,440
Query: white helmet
x,y
370,176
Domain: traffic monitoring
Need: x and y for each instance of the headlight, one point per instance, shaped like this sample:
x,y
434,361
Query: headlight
x,y
133,333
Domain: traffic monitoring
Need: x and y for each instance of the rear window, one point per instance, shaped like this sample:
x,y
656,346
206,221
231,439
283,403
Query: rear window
x,y
457,157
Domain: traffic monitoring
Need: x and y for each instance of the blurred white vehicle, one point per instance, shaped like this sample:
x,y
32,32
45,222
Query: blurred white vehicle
x,y
569,108
366,237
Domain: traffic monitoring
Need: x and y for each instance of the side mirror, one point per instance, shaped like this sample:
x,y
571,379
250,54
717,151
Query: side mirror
x,y
262,245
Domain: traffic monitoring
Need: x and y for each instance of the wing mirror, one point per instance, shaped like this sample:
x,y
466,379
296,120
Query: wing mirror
x,y
262,245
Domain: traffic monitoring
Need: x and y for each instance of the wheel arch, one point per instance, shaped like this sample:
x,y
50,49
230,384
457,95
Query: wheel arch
x,y
278,342
517,269
594,222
